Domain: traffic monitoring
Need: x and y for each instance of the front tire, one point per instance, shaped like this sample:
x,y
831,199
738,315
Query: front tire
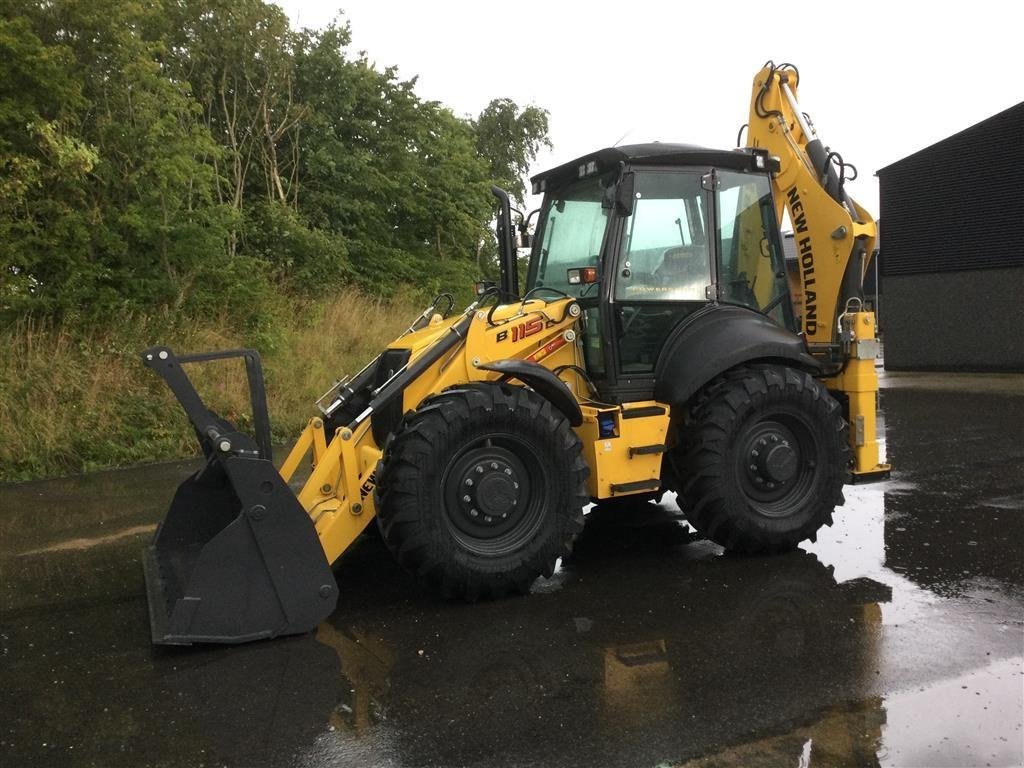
x,y
482,490
762,459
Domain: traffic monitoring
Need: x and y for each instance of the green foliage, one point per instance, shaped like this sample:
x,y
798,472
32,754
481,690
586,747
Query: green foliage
x,y
74,398
43,164
510,137
190,157
196,172
398,178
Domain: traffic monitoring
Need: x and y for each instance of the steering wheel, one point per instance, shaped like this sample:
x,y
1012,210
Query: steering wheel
x,y
628,322
740,290
773,303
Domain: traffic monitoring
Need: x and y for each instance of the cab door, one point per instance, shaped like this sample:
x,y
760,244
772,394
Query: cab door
x,y
663,271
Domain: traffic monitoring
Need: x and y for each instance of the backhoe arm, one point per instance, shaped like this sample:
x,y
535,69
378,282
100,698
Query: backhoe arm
x,y
834,237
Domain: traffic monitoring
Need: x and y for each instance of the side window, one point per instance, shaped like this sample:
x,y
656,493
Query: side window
x,y
752,270
665,255
572,227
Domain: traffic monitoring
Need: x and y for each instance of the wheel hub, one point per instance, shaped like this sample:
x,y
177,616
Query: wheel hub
x,y
490,490
496,495
772,456
780,463
488,493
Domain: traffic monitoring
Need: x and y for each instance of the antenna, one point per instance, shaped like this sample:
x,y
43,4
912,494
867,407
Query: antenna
x,y
623,136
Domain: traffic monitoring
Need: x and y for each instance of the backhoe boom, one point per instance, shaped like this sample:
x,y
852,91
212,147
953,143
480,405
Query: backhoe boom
x,y
834,236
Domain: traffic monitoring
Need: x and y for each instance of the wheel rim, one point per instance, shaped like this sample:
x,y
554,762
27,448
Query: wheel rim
x,y
494,494
777,464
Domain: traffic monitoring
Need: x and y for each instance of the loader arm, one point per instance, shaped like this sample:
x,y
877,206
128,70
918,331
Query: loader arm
x,y
476,346
834,236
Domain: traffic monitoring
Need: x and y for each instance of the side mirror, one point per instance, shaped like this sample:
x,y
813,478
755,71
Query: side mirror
x,y
625,194
525,239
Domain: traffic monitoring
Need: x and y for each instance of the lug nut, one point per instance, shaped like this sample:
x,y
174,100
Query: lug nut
x,y
516,486
494,465
469,481
504,515
466,498
753,468
479,470
754,454
473,512
508,471
775,438
488,518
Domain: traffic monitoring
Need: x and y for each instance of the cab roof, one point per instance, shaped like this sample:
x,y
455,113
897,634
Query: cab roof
x,y
655,153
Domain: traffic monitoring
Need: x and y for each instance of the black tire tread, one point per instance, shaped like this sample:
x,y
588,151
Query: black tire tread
x,y
404,503
711,417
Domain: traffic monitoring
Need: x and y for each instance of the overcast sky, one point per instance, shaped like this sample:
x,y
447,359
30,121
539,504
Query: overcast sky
x,y
880,80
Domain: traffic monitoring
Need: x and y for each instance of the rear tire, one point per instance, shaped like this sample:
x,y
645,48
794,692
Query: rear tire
x,y
482,490
762,459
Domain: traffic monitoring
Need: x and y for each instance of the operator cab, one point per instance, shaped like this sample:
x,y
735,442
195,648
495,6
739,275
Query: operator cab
x,y
670,229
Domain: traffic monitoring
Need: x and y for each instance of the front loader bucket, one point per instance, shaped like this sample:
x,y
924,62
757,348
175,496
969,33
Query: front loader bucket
x,y
237,557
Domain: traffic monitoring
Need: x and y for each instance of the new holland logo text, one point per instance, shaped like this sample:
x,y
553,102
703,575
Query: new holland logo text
x,y
367,488
796,212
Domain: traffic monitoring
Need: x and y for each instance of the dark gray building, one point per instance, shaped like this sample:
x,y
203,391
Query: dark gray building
x,y
952,267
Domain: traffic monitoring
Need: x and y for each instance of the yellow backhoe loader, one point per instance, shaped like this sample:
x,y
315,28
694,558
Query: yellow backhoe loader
x,y
653,347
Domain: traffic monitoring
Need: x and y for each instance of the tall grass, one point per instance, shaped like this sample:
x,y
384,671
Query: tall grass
x,y
74,400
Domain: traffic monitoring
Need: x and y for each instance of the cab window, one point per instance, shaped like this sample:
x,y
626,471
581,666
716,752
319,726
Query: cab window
x,y
571,230
663,266
753,266
665,254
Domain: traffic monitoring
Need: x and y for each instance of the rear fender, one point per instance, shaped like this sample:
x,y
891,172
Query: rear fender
x,y
718,338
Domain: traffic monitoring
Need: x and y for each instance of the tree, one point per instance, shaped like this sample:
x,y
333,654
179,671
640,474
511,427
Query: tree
x,y
508,138
238,57
398,178
198,156
132,221
44,166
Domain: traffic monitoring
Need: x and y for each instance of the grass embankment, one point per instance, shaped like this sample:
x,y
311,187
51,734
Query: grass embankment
x,y
74,400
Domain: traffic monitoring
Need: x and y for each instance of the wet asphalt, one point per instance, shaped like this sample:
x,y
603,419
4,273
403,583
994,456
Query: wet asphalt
x,y
897,639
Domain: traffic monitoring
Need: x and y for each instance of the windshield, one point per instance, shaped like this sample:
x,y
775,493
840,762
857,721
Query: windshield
x,y
570,231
